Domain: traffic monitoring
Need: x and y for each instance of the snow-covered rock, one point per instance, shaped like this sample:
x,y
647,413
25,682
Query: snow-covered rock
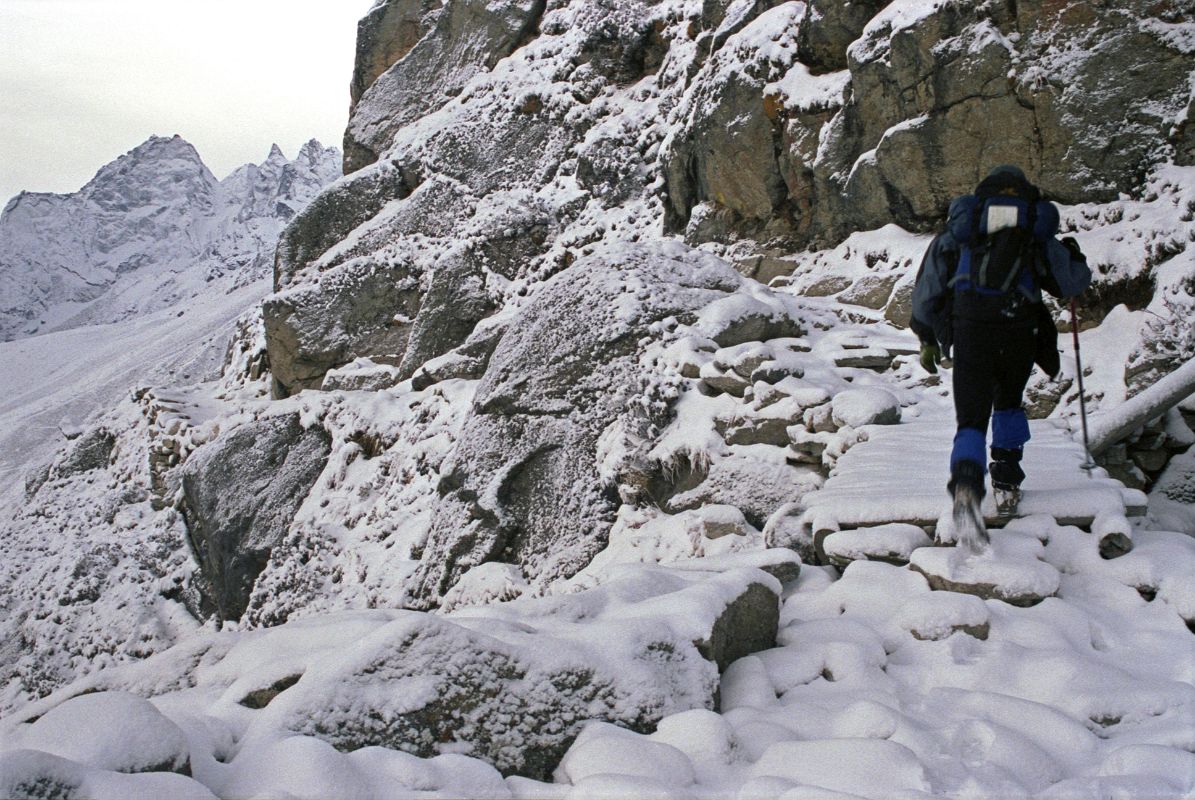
x,y
114,731
523,486
240,494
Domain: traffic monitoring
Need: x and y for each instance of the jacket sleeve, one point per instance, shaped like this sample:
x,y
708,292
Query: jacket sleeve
x,y
1072,275
931,293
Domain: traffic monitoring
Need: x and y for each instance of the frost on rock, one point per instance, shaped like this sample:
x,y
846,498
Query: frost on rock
x,y
511,684
240,494
523,484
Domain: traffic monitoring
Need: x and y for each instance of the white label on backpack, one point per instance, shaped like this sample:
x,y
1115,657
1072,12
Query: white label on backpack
x,y
1001,217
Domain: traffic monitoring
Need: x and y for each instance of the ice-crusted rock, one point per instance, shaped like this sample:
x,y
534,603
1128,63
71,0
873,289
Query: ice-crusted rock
x,y
240,494
523,485
359,309
466,37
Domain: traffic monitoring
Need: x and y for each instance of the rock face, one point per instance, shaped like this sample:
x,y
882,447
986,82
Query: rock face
x,y
240,494
523,485
934,98
467,37
363,309
385,35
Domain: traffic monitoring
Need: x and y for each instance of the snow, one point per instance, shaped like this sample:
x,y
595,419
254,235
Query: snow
x,y
601,745
1104,429
114,731
858,407
878,686
872,768
802,91
1012,567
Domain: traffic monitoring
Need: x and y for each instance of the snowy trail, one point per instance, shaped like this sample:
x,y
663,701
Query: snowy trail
x,y
72,374
899,475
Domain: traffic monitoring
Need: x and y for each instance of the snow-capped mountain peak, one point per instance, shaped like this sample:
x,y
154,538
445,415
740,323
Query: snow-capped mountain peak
x,y
145,227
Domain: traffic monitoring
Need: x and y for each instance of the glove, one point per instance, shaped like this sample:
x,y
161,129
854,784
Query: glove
x,y
1073,248
931,357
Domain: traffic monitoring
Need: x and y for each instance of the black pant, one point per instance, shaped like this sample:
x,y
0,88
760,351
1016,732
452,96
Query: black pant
x,y
992,364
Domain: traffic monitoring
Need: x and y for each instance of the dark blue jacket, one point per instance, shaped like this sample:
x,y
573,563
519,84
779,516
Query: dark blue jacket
x,y
932,296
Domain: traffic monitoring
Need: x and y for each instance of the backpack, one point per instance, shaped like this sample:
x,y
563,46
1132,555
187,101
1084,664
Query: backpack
x,y
1001,261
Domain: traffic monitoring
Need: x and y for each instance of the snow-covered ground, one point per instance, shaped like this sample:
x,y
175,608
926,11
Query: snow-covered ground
x,y
899,677
878,686
57,381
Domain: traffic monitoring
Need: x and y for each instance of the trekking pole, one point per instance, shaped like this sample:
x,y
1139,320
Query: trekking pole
x,y
1088,464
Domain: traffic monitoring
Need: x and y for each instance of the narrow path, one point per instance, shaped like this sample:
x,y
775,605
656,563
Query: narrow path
x,y
897,478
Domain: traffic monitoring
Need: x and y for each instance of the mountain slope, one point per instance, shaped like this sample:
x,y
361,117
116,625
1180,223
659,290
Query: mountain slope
x,y
507,480
149,230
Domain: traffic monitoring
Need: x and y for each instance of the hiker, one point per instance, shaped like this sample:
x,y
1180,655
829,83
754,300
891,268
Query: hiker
x,y
978,298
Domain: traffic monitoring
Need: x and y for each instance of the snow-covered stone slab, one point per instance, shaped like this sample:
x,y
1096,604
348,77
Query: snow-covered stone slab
x,y
1010,570
939,615
899,474
893,543
781,563
872,768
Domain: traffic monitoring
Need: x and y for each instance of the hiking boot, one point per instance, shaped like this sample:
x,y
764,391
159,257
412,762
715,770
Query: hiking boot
x,y
1006,469
966,485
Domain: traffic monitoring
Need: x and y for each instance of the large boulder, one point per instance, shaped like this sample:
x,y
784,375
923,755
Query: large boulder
x,y
467,37
523,485
361,309
240,495
514,683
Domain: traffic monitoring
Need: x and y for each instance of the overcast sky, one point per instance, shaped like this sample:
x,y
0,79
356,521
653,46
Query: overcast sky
x,y
84,81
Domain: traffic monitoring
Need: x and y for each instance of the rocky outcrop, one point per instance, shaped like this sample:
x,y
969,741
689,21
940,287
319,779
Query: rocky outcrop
x,y
362,309
1086,101
467,37
239,496
523,485
385,35
90,451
